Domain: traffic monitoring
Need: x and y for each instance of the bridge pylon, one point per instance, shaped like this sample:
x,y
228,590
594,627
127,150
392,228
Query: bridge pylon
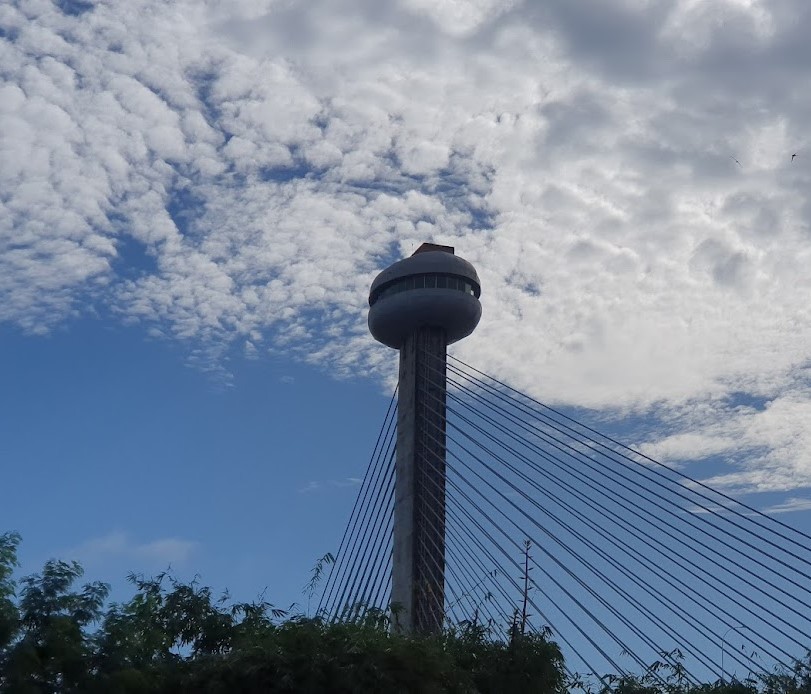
x,y
420,305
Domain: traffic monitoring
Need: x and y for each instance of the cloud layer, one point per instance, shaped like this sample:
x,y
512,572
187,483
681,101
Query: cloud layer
x,y
118,545
233,175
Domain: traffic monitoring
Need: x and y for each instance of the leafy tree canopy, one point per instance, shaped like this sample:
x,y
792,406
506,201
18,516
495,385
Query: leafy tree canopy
x,y
57,636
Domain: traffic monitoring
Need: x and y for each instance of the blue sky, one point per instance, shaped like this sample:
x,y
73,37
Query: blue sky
x,y
195,197
117,455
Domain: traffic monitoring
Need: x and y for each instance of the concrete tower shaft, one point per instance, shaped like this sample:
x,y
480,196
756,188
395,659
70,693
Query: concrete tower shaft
x,y
419,305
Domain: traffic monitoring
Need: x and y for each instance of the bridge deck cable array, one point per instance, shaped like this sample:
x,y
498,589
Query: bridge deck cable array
x,y
366,535
551,525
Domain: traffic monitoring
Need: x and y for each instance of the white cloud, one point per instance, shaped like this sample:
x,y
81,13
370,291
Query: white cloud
x,y
119,545
459,18
321,485
790,505
234,174
771,445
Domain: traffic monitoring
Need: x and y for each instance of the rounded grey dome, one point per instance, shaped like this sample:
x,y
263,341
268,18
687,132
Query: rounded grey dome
x,y
431,289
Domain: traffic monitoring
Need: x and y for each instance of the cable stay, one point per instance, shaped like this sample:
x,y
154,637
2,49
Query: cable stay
x,y
335,587
752,514
571,490
631,561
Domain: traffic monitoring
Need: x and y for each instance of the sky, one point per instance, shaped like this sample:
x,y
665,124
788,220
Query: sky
x,y
195,197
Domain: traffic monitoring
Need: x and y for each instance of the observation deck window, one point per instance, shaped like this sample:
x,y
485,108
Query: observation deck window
x,y
426,281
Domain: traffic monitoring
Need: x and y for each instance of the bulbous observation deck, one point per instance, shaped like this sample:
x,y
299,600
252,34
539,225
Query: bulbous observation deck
x,y
432,289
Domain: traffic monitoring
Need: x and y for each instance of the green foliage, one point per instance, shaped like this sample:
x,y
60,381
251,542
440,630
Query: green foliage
x,y
316,575
797,681
178,637
528,663
51,647
9,616
56,637
669,677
